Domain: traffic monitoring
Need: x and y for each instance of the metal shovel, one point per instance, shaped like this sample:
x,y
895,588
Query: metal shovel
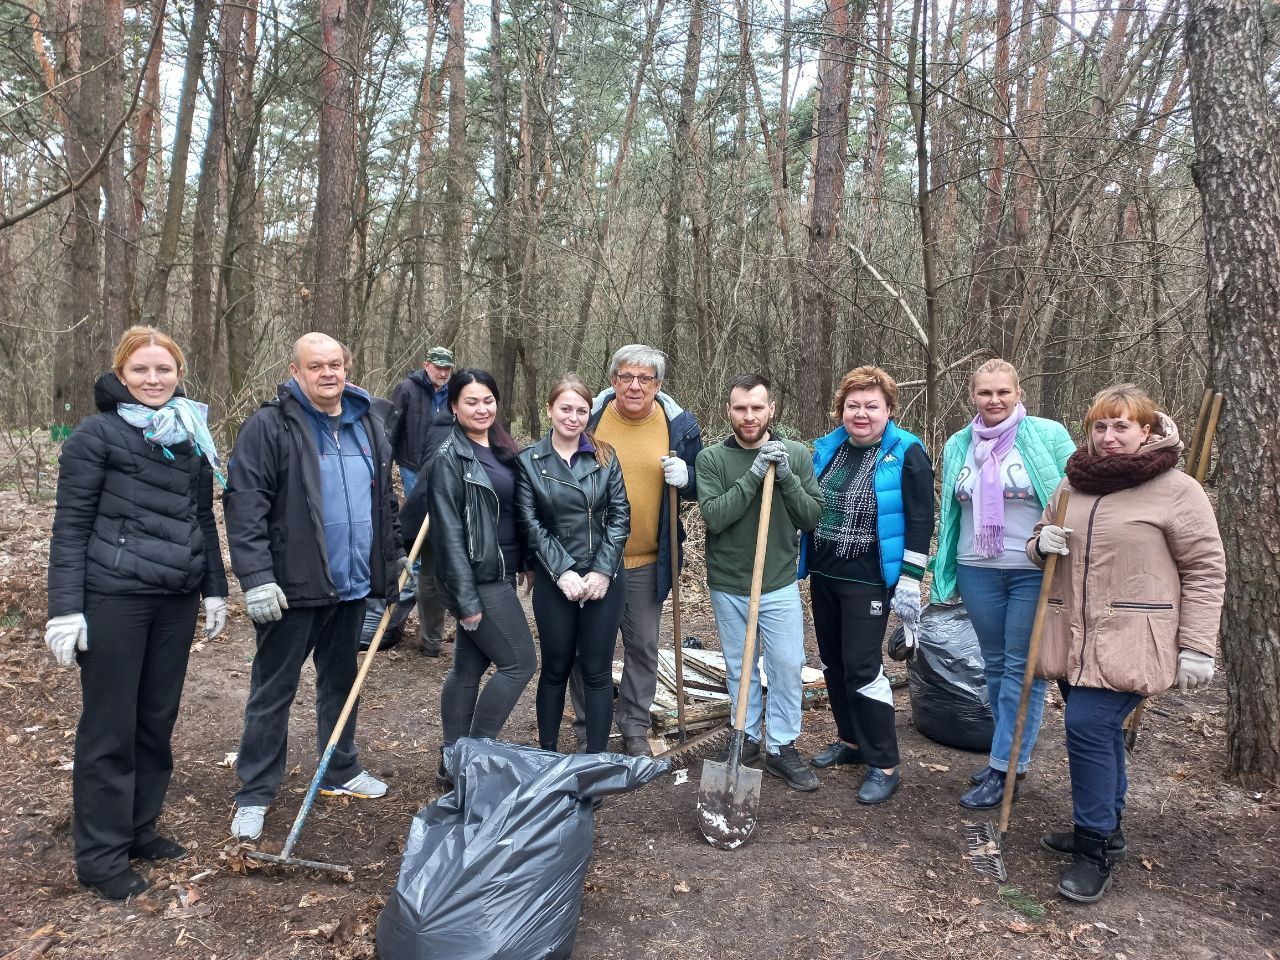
x,y
729,793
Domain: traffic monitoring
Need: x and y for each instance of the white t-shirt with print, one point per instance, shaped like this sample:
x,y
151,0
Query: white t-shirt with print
x,y
1021,512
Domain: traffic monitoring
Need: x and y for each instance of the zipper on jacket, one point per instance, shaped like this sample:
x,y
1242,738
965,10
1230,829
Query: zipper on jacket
x,y
1136,605
346,495
1084,587
497,507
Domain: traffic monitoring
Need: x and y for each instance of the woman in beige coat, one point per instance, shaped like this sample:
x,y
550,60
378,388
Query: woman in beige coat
x,y
1134,608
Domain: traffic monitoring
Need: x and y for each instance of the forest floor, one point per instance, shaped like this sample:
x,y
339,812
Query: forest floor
x,y
821,877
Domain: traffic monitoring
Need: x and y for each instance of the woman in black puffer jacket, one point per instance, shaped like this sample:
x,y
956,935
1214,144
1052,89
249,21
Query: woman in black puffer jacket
x,y
134,547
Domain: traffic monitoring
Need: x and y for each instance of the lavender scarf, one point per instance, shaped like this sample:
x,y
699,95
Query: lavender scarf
x,y
990,446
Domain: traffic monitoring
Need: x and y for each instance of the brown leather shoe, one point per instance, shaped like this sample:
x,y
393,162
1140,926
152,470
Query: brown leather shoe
x,y
637,746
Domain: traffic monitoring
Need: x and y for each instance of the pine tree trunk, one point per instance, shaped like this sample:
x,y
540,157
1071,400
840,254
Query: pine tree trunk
x,y
456,192
335,172
155,302
1237,170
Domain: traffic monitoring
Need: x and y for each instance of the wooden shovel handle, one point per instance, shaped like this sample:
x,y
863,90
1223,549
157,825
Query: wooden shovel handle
x,y
1028,676
753,609
673,519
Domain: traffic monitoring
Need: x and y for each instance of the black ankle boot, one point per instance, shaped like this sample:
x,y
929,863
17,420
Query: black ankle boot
x,y
1089,875
1063,843
123,885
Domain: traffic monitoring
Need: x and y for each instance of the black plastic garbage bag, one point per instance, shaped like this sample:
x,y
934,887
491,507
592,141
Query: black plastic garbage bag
x,y
494,869
948,688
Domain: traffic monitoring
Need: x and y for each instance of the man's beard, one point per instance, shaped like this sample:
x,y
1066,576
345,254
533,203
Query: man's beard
x,y
761,432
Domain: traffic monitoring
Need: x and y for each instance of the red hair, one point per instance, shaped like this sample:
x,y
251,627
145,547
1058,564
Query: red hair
x,y
135,338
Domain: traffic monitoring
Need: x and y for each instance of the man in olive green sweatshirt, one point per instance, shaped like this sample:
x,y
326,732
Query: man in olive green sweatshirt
x,y
729,477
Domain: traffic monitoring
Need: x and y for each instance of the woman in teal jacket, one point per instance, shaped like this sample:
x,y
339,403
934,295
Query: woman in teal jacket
x,y
997,475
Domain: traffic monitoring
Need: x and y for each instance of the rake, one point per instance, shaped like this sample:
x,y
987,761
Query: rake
x,y
984,838
285,856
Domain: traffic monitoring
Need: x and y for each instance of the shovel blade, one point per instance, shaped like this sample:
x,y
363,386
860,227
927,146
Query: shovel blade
x,y
728,798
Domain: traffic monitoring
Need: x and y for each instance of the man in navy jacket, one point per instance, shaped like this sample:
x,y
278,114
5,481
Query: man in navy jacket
x,y
313,530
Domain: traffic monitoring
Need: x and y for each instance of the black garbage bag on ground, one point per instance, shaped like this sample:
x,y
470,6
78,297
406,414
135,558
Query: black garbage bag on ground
x,y
948,688
494,869
373,610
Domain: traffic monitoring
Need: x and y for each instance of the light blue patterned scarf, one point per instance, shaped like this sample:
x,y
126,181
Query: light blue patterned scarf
x,y
178,421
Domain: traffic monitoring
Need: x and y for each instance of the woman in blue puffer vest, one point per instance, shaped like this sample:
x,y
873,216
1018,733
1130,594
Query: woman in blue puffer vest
x,y
867,555
997,475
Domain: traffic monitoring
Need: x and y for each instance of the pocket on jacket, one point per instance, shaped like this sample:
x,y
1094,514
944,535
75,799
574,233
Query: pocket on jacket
x,y
1141,650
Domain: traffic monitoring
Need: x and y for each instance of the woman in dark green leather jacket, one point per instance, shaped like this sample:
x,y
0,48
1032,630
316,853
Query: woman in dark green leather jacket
x,y
572,508
478,555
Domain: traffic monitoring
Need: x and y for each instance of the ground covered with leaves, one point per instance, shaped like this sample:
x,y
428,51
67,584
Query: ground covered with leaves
x,y
821,877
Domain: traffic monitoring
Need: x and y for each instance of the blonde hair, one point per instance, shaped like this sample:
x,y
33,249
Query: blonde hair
x,y
135,338
1122,400
995,365
866,378
570,383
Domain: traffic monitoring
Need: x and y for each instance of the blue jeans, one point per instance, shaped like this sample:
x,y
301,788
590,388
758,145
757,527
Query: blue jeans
x,y
1002,609
410,480
1095,752
781,635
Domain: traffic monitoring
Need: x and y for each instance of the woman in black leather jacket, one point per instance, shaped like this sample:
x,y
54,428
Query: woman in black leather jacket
x,y
478,554
572,507
134,547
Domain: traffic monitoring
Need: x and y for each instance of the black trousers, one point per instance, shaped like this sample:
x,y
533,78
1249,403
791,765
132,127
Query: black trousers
x,y
131,683
849,620
502,640
331,635
587,634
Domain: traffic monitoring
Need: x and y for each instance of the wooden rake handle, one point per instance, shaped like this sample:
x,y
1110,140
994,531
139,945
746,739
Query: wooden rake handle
x,y
753,609
1028,676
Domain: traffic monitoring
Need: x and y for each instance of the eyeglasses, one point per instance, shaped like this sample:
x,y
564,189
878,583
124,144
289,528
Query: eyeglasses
x,y
644,379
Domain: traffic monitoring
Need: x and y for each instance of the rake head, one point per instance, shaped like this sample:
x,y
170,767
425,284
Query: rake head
x,y
697,747
983,841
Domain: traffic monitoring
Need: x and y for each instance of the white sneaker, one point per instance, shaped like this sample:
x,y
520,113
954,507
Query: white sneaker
x,y
362,786
247,823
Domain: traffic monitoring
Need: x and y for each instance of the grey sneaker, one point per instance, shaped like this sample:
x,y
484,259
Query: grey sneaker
x,y
363,786
247,823
788,765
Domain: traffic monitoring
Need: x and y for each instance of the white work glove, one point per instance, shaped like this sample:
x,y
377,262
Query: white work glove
x,y
264,603
411,582
596,585
775,452
1195,669
1053,539
675,472
906,604
572,586
215,616
65,635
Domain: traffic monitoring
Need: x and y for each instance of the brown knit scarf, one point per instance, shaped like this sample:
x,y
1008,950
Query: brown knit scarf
x,y
1099,475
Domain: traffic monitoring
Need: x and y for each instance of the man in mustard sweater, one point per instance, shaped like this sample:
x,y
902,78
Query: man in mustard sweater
x,y
643,425
729,492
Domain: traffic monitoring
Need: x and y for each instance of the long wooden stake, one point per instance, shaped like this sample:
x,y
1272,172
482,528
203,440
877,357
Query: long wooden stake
x,y
673,518
1028,676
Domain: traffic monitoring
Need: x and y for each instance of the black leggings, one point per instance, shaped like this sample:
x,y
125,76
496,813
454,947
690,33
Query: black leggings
x,y
589,634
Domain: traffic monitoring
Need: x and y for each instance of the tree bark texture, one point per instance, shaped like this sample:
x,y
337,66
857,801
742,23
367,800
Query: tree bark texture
x,y
1237,170
831,127
81,355
335,170
456,192
155,302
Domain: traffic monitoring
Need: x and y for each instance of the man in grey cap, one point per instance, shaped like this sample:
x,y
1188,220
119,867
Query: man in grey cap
x,y
421,402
